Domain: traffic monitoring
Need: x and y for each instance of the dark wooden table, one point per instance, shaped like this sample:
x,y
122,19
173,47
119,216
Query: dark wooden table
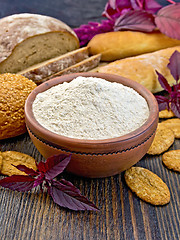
x,y
122,215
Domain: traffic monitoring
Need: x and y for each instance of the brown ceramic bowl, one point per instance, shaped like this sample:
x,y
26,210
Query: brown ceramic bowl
x,y
95,158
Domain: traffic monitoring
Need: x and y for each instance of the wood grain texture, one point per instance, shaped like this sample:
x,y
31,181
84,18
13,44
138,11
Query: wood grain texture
x,y
34,216
122,215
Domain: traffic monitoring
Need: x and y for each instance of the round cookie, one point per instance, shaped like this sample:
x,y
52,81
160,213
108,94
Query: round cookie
x,y
14,89
173,124
166,114
147,185
16,158
163,139
171,160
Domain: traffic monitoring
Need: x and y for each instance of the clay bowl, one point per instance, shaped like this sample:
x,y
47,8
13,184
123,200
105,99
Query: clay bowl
x,y
95,158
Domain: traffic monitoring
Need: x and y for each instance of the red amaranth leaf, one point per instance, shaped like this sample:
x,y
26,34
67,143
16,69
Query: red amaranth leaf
x,y
175,106
114,8
29,171
168,20
135,20
163,82
41,167
65,194
39,180
87,31
56,165
19,183
152,6
163,102
174,65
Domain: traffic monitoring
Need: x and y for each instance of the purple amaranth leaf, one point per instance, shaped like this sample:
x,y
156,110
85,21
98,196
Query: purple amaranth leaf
x,y
29,171
86,32
175,106
163,102
64,193
39,180
41,167
175,100
174,65
168,20
56,165
19,183
114,9
67,195
135,20
163,82
152,6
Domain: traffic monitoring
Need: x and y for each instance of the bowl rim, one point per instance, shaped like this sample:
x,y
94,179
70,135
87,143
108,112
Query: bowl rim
x,y
43,133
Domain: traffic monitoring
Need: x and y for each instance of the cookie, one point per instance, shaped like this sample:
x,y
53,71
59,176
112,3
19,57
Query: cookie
x,y
163,139
147,186
171,160
173,124
166,114
0,162
15,158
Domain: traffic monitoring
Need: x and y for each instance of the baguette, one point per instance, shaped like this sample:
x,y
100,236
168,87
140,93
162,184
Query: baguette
x,y
28,39
117,45
142,68
83,66
45,69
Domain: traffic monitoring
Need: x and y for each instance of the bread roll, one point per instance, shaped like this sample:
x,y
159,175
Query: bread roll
x,y
14,89
117,45
28,39
142,68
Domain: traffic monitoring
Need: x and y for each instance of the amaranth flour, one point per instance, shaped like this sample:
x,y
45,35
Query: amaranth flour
x,y
90,108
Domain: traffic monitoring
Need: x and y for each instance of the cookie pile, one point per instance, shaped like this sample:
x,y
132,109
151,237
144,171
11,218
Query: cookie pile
x,y
144,183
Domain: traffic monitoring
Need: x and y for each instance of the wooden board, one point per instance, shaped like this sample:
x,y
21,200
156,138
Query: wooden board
x,y
122,215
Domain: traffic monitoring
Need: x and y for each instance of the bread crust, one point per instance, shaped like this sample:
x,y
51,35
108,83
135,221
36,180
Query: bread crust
x,y
142,68
18,27
54,65
38,36
117,45
14,89
83,66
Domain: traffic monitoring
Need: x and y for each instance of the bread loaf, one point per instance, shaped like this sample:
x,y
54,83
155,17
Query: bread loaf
x,y
46,69
117,45
14,89
28,39
142,68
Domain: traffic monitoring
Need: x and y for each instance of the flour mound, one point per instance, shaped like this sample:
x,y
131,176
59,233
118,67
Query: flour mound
x,y
90,108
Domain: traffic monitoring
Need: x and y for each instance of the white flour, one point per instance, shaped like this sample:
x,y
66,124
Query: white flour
x,y
90,108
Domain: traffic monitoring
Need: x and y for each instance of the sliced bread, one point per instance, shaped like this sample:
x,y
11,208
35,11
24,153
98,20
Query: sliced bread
x,y
45,69
83,66
27,39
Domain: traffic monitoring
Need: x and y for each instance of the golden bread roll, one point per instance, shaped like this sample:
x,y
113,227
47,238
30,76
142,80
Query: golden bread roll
x,y
117,45
142,68
14,89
